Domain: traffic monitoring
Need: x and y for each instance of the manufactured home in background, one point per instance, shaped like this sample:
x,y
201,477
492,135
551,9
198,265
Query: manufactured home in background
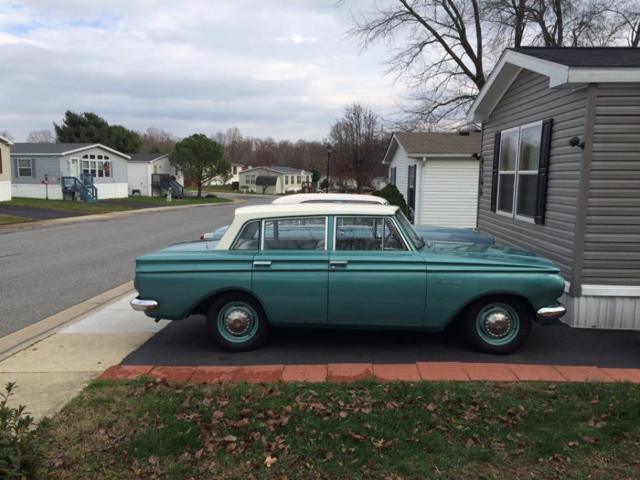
x,y
152,175
39,169
274,180
5,169
561,171
438,175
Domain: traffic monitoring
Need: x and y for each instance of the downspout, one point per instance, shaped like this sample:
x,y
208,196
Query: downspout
x,y
575,289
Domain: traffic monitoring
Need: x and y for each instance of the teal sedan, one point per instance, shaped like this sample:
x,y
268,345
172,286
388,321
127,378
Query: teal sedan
x,y
347,266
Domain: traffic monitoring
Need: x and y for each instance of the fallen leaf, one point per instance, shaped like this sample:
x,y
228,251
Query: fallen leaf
x,y
270,461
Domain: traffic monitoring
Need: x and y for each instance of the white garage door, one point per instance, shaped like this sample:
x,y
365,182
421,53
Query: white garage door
x,y
449,193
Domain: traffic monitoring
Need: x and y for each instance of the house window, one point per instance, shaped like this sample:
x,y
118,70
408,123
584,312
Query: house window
x,y
100,169
392,176
24,167
286,180
298,179
518,171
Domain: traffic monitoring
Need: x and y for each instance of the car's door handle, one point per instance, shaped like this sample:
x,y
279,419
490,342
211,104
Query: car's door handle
x,y
338,263
262,263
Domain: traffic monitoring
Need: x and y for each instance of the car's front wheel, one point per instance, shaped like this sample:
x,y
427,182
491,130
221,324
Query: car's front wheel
x,y
237,322
497,325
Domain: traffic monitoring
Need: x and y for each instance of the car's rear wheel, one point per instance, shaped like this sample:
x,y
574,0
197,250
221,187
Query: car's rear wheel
x,y
497,325
237,322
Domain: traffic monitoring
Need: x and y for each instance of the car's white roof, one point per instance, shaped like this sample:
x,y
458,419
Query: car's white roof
x,y
329,197
305,209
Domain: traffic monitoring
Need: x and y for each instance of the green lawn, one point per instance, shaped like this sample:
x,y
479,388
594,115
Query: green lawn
x,y
215,188
81,208
137,200
146,429
11,219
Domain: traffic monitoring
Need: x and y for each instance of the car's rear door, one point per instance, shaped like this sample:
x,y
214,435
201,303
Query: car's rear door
x,y
375,278
290,273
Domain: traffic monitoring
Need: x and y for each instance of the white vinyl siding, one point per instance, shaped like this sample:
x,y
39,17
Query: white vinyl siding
x,y
447,193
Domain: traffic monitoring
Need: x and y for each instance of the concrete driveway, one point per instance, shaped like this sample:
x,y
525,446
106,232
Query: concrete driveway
x,y
186,343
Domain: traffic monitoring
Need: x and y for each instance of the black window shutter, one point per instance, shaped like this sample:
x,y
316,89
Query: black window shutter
x,y
15,167
494,171
33,168
543,171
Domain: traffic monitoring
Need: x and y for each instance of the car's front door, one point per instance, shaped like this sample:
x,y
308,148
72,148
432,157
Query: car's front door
x,y
374,277
290,273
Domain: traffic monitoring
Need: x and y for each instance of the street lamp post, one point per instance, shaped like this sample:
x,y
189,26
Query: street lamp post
x,y
329,149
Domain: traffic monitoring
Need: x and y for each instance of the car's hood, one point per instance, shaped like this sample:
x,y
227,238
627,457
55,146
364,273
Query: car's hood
x,y
488,255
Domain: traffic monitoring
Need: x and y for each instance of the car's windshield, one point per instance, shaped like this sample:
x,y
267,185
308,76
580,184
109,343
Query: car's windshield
x,y
414,236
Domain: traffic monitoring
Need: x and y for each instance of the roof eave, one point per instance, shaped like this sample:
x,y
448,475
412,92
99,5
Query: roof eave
x,y
387,152
504,74
81,149
5,140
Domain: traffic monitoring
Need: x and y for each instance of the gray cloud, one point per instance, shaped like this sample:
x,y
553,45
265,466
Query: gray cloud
x,y
278,68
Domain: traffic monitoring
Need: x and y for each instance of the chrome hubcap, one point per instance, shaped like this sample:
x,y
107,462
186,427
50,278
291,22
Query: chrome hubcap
x,y
497,324
237,322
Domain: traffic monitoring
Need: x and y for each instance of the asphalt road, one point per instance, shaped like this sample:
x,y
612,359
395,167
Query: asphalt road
x,y
186,343
44,270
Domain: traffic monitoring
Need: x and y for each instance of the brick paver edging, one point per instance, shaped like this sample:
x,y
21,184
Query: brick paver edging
x,y
349,372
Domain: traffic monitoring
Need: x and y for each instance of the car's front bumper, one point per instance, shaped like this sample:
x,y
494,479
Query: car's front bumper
x,y
140,305
551,314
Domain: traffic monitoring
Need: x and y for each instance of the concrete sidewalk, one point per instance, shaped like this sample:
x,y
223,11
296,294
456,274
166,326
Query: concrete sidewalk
x,y
52,371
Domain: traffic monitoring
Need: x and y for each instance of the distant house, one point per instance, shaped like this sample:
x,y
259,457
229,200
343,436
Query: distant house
x,y
438,174
142,167
35,164
561,156
236,168
274,180
5,169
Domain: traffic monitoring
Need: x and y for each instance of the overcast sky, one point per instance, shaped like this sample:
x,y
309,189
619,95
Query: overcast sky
x,y
280,68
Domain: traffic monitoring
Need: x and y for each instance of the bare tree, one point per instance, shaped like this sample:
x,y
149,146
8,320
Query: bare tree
x,y
41,136
446,47
357,145
157,140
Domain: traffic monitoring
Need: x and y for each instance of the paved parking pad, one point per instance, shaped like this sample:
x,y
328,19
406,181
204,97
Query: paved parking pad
x,y
186,343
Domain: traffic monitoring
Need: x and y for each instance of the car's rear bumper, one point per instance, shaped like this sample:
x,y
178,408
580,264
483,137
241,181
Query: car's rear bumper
x,y
551,314
140,305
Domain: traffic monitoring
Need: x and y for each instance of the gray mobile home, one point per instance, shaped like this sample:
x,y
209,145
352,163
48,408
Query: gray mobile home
x,y
39,167
561,171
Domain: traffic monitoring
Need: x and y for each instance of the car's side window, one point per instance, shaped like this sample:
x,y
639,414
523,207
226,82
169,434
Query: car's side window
x,y
367,234
249,237
294,234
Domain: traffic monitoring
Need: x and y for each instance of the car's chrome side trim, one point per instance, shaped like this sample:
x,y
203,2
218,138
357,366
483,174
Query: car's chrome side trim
x,y
550,314
141,305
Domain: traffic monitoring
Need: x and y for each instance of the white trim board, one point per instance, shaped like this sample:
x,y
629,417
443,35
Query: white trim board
x,y
610,291
512,62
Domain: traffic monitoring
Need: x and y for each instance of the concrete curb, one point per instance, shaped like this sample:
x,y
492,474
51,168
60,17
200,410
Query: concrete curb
x,y
27,336
106,216
350,372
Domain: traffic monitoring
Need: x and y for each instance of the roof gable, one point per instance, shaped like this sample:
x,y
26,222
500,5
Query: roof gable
x,y
426,144
565,67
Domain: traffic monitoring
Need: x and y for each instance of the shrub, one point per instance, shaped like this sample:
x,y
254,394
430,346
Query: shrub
x,y
20,457
392,195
